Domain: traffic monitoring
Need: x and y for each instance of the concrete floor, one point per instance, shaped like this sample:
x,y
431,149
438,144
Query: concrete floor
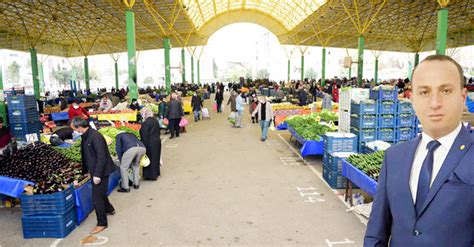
x,y
220,186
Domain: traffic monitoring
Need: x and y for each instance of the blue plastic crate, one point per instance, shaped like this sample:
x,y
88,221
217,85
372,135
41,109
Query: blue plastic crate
x,y
25,128
335,162
363,108
365,135
387,107
364,121
49,226
48,204
22,115
405,120
333,178
404,134
404,107
325,158
21,102
339,144
387,121
384,94
386,134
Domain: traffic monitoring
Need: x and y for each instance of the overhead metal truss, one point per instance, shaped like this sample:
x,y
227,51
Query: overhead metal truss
x,y
85,27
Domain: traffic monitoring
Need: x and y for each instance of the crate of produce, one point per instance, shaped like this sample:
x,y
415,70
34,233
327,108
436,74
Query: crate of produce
x,y
364,107
22,115
387,107
333,178
404,107
404,134
386,134
340,142
334,161
386,121
405,120
384,93
365,135
48,226
363,121
21,102
48,204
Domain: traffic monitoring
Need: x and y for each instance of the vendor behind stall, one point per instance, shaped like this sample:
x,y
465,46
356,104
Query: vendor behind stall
x,y
60,135
75,110
62,102
5,136
105,103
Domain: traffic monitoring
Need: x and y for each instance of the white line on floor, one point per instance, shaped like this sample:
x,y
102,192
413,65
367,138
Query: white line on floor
x,y
56,242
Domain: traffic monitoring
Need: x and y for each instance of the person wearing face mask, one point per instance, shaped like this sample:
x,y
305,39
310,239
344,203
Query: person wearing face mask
x,y
196,103
97,162
134,105
265,115
75,110
60,135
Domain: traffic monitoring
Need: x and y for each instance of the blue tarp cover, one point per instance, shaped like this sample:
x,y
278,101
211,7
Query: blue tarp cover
x,y
12,186
359,178
58,116
309,147
282,126
84,205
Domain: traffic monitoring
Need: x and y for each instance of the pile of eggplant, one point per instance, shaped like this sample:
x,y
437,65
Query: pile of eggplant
x,y
41,164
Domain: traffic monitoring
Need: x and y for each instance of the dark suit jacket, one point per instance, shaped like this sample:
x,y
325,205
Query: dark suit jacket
x,y
447,217
175,110
95,154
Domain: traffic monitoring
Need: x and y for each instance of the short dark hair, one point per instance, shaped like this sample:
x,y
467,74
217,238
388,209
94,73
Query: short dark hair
x,y
1,120
439,57
79,122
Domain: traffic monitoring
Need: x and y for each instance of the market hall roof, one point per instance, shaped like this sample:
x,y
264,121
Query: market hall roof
x,y
86,27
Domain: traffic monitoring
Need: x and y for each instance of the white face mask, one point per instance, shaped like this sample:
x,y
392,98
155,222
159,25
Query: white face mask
x,y
75,106
77,133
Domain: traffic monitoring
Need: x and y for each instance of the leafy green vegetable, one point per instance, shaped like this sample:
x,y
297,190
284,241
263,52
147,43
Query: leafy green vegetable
x,y
311,127
370,164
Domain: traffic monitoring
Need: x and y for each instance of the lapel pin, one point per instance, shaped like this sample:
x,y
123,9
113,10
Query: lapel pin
x,y
462,147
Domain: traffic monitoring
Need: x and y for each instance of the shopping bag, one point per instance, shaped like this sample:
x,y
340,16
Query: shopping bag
x,y
205,113
232,117
162,124
183,122
214,107
166,121
144,161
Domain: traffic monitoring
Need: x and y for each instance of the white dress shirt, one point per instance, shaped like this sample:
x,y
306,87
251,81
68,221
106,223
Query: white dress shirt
x,y
439,156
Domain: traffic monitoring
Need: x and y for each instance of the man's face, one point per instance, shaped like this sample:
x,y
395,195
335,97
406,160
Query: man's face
x,y
438,98
1,125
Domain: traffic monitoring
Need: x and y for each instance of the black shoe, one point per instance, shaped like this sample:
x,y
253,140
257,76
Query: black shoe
x,y
136,187
171,137
122,190
111,213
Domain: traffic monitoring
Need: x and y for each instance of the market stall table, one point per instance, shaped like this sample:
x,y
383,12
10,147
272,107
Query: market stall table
x,y
129,116
310,147
359,178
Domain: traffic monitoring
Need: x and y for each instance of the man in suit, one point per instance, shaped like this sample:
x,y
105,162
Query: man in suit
x,y
425,192
96,159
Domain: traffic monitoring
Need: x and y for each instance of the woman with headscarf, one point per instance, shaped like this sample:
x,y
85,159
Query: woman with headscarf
x,y
150,136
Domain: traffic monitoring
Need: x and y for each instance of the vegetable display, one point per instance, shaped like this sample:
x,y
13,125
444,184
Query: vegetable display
x,y
73,153
311,127
370,164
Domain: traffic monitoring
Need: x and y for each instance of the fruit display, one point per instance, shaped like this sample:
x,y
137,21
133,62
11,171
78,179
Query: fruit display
x,y
132,126
113,132
112,112
285,106
311,127
51,109
370,164
73,153
153,107
41,164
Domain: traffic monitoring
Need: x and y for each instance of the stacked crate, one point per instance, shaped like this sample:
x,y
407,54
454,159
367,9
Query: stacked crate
x,y
346,96
406,122
364,121
48,216
336,147
23,116
387,101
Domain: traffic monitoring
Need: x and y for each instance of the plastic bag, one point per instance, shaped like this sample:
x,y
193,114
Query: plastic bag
x,y
232,117
205,113
184,122
166,121
144,161
214,107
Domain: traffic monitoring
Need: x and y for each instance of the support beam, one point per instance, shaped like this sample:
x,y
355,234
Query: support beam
x,y
442,33
3,110
302,68
360,61
417,59
86,73
34,70
198,72
323,69
192,69
289,72
41,78
183,64
132,61
350,71
73,79
166,45
376,76
116,76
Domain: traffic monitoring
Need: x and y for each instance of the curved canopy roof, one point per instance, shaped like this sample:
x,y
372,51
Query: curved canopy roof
x,y
78,28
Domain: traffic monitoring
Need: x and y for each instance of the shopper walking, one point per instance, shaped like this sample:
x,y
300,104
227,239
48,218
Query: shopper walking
x,y
252,106
150,136
129,151
97,161
425,190
232,101
239,106
265,113
196,104
174,115
219,99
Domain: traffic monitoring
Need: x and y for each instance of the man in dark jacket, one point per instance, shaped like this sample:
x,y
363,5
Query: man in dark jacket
x,y
174,114
60,135
302,96
219,99
196,104
129,151
97,161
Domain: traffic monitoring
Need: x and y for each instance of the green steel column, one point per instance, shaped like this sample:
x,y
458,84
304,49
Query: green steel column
x,y
323,69
417,59
132,63
198,73
288,81
376,70
34,69
166,45
3,113
350,71
360,61
86,73
41,77
192,69
1,74
116,76
442,33
183,63
302,67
